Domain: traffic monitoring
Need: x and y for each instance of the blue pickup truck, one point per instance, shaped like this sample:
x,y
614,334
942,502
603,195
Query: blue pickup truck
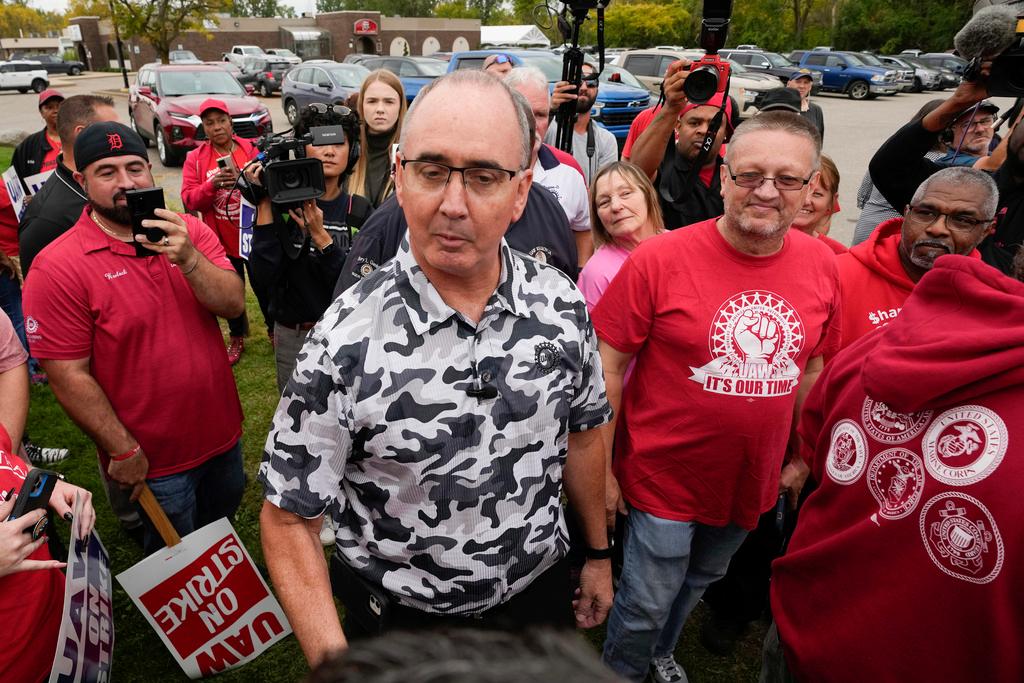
x,y
846,72
617,103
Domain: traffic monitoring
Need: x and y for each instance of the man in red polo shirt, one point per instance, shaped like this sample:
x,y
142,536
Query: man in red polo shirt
x,y
728,320
951,213
127,331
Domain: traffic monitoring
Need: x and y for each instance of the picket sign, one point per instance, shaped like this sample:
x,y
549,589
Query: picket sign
x,y
36,182
246,218
203,596
85,645
15,191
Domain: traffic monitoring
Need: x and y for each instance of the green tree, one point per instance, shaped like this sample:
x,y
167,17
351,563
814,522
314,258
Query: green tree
x,y
261,8
17,19
160,22
391,8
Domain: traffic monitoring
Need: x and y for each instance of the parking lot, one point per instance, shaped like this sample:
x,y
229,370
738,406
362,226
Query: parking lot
x,y
853,130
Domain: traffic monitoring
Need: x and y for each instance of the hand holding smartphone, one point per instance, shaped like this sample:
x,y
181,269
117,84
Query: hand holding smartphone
x,y
34,495
142,205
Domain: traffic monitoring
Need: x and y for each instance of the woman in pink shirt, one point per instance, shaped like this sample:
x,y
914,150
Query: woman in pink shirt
x,y
624,212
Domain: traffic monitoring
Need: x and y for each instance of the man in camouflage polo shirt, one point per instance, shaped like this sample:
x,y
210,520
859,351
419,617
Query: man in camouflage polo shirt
x,y
439,405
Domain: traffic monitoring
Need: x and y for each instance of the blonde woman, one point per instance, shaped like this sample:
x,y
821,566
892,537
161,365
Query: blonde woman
x,y
815,216
381,107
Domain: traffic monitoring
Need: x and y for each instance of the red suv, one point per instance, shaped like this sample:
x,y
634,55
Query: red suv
x,y
163,106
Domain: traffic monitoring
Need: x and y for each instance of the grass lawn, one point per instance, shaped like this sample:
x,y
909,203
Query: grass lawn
x,y
139,654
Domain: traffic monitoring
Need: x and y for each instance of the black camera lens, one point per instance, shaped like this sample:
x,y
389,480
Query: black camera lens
x,y
290,180
702,84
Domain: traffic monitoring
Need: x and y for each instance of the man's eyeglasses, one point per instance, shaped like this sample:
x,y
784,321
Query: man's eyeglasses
x,y
590,81
783,183
986,122
322,108
962,222
433,176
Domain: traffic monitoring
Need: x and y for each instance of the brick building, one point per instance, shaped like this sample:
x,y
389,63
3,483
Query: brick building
x,y
331,35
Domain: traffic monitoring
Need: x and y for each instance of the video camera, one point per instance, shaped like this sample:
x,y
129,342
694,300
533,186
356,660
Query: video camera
x,y
288,176
996,33
1007,76
709,75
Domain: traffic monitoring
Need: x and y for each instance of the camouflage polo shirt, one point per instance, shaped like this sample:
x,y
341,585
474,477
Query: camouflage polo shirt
x,y
450,501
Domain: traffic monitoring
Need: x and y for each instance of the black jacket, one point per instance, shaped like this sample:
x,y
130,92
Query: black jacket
x,y
541,232
29,154
683,204
54,209
899,167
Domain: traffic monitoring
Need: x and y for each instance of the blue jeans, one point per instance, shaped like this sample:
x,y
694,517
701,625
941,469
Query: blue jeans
x,y
667,565
10,302
194,498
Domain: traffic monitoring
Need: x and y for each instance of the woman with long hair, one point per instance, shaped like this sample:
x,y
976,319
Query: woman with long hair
x,y
381,108
815,216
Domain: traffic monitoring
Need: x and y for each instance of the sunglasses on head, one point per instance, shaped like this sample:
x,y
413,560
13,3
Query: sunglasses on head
x,y
501,59
322,108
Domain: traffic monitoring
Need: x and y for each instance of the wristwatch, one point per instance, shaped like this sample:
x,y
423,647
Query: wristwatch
x,y
598,553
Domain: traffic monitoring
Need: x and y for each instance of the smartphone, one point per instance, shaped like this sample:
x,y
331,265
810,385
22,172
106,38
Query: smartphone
x,y
142,205
225,162
35,493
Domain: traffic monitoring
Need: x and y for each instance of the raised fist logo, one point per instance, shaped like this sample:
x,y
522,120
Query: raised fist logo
x,y
757,336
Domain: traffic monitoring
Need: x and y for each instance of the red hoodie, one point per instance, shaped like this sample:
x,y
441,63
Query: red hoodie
x,y
908,561
199,194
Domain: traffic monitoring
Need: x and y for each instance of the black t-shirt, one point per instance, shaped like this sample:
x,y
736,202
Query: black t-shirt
x,y
55,208
299,278
684,203
541,232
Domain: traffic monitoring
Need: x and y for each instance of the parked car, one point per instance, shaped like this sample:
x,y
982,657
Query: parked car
x,y
328,82
265,74
238,53
414,72
357,58
23,76
846,72
616,106
925,78
944,60
285,55
947,78
756,59
904,74
183,57
230,67
163,106
56,65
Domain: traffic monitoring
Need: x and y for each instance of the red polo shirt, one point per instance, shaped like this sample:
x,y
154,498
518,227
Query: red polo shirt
x,y
156,352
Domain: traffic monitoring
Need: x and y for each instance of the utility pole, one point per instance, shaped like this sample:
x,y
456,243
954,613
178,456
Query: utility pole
x,y
120,47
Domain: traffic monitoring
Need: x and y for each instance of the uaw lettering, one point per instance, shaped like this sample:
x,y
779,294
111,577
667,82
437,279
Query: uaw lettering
x,y
15,191
85,645
207,602
755,339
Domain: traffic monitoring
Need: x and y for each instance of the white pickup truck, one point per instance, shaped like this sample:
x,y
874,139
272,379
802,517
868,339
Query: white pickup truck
x,y
240,53
23,76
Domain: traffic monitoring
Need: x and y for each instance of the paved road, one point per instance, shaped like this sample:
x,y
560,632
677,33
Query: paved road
x,y
854,130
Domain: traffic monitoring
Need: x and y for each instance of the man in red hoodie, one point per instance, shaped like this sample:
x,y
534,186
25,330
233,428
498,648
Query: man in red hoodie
x,y
908,560
951,213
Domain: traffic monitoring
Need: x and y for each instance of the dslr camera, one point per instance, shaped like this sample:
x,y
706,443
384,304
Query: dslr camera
x,y
709,75
288,176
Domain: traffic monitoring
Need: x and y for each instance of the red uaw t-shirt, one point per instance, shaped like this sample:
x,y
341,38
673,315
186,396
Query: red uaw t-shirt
x,y
720,340
156,352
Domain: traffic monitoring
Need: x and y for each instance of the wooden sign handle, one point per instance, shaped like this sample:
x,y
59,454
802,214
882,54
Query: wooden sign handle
x,y
156,515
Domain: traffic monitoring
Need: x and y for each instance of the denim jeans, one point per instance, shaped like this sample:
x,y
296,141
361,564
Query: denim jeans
x,y
194,498
10,302
667,565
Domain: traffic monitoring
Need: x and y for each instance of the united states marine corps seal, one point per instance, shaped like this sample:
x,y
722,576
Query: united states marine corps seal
x,y
961,537
547,357
896,480
885,425
847,453
964,445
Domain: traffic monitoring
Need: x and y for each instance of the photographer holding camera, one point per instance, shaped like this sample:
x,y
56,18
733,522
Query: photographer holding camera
x,y
298,250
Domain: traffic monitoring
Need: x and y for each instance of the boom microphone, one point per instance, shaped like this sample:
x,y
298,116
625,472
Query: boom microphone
x,y
987,34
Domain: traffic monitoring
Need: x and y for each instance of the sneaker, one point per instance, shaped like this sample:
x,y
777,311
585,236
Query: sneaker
x,y
235,349
327,533
667,670
43,456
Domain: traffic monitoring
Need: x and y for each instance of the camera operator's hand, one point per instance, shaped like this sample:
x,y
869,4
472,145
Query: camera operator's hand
x,y
254,174
563,92
310,218
176,246
675,77
130,473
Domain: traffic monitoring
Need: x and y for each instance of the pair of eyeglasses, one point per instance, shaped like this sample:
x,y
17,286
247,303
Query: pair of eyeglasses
x,y
986,122
322,108
957,221
433,176
783,183
590,81
501,59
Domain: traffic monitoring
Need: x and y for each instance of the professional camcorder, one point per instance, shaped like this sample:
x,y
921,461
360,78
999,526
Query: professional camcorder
x,y
709,75
996,33
288,176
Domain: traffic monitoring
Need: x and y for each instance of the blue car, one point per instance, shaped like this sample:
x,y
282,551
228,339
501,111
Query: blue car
x,y
620,98
413,72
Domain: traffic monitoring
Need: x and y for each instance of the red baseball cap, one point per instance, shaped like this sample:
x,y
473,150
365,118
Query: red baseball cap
x,y
211,103
48,95
715,102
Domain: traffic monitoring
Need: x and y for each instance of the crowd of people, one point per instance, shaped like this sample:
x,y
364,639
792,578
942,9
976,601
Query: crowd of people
x,y
524,388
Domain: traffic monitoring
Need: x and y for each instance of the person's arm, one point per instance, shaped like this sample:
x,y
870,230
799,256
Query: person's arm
x,y
14,406
328,260
795,472
197,193
649,149
584,246
614,363
219,290
295,559
88,407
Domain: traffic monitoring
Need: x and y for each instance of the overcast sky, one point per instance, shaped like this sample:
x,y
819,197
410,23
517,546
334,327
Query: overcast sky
x,y
62,5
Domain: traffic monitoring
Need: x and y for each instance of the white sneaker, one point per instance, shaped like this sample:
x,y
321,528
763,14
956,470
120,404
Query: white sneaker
x,y
43,456
667,670
327,533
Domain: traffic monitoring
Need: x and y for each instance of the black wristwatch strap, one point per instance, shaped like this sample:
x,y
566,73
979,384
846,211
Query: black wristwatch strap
x,y
598,553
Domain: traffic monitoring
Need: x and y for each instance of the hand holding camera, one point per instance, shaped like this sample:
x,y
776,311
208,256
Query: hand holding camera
x,y
674,85
310,219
